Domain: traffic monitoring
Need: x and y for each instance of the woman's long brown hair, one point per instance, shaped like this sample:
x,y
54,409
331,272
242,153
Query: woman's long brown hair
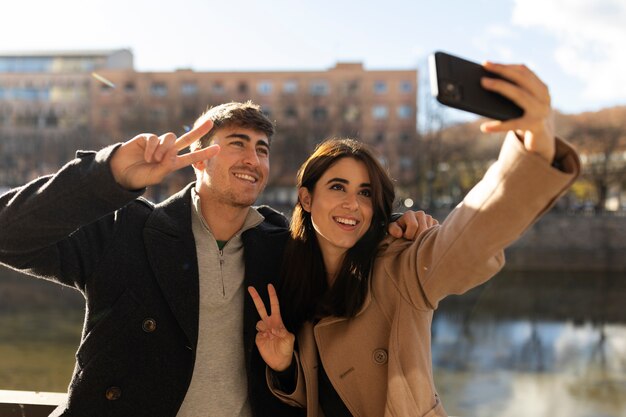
x,y
304,293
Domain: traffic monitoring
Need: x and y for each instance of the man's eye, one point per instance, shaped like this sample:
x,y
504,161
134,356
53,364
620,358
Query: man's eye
x,y
237,143
263,151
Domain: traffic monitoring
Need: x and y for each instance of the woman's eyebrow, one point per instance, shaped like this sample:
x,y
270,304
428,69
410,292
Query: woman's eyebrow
x,y
345,181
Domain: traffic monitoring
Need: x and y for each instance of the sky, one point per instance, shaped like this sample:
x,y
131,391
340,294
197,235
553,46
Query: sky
x,y
576,46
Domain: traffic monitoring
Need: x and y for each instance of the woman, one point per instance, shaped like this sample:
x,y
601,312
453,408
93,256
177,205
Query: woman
x,y
362,303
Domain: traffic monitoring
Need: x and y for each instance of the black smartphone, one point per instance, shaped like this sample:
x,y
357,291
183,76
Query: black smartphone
x,y
455,82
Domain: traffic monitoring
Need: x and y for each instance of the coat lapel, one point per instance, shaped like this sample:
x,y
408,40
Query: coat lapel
x,y
171,251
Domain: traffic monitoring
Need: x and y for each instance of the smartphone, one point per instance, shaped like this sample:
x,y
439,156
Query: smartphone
x,y
455,82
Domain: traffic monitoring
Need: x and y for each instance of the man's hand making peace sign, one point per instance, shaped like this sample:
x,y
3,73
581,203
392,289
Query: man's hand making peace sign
x,y
147,159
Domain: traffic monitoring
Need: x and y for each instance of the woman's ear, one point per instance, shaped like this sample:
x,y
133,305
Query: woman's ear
x,y
304,197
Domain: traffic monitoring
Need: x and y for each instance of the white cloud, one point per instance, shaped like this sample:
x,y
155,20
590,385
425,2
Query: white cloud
x,y
494,42
591,36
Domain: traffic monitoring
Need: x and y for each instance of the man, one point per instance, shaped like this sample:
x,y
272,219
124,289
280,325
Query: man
x,y
164,285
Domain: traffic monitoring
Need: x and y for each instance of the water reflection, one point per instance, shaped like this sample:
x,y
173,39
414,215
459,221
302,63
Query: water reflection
x,y
510,349
523,345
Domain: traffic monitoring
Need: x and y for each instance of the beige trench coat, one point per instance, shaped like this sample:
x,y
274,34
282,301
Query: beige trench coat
x,y
380,361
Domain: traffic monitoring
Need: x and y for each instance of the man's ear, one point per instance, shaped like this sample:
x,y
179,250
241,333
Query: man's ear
x,y
304,197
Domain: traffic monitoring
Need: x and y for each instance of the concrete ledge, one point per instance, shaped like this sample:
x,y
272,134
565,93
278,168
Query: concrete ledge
x,y
29,403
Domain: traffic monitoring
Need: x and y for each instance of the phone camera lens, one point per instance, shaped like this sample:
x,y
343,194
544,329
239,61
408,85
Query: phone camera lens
x,y
452,91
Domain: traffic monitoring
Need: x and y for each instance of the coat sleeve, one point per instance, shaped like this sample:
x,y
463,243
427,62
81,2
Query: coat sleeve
x,y
57,227
468,247
297,398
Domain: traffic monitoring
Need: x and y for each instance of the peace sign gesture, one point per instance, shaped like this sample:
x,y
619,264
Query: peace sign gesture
x,y
273,340
146,159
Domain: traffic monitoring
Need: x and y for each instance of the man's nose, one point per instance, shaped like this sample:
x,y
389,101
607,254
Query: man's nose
x,y
251,158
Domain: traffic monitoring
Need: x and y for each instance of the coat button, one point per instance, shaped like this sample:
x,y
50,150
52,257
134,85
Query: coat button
x,y
380,356
149,325
113,393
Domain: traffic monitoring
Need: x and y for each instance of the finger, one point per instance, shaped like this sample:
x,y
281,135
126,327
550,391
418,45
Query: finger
x,y
274,304
518,95
199,155
261,326
258,302
151,142
412,225
194,134
491,127
421,221
395,230
165,143
522,76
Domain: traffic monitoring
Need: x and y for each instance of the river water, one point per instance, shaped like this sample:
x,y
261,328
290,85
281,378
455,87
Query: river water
x,y
524,344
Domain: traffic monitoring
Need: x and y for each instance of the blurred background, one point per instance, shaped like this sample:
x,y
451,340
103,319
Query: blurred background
x,y
547,336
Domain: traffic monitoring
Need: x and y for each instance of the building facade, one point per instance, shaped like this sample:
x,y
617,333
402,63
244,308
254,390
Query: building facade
x,y
44,108
378,107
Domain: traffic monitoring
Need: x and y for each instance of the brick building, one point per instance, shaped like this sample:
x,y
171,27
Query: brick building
x,y
376,106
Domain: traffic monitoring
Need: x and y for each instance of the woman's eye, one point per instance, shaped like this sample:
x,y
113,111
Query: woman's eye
x,y
366,193
336,187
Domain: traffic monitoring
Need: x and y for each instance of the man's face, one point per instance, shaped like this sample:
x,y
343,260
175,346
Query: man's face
x,y
239,172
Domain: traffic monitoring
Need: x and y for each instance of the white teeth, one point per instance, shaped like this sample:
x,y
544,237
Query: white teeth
x,y
349,222
245,177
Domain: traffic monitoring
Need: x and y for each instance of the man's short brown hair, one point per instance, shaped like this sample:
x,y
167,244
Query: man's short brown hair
x,y
245,115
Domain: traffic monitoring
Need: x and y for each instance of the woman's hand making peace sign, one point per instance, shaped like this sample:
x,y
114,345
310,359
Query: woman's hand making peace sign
x,y
273,340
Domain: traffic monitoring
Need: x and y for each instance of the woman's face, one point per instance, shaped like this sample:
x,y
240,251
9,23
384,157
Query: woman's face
x,y
340,206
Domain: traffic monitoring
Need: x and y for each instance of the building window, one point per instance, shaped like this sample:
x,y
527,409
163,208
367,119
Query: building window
x,y
157,115
380,112
405,137
267,111
380,87
319,114
379,138
217,88
28,93
189,89
158,89
405,112
351,87
51,119
129,87
406,86
291,112
290,87
405,163
319,88
264,87
351,113
242,87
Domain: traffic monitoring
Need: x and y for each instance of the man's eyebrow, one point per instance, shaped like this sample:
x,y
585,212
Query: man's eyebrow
x,y
248,139
345,181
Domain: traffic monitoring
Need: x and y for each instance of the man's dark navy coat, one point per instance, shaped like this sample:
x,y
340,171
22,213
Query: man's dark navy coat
x,y
136,266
